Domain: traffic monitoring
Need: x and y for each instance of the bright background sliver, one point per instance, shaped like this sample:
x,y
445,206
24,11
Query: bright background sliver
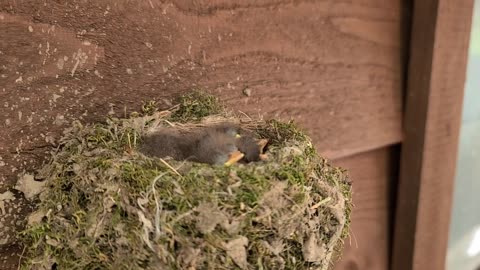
x,y
464,244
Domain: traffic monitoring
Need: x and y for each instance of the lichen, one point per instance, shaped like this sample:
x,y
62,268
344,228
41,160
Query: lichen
x,y
107,206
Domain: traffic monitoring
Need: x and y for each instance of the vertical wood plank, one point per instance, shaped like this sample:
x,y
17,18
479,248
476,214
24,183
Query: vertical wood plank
x,y
374,175
438,56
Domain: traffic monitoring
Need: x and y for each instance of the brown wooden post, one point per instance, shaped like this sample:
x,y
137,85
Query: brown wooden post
x,y
436,75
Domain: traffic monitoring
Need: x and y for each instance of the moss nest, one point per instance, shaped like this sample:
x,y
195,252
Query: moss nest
x,y
105,205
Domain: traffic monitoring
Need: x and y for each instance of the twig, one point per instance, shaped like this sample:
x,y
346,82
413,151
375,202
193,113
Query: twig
x,y
157,206
168,122
315,206
179,217
170,167
354,238
246,115
20,258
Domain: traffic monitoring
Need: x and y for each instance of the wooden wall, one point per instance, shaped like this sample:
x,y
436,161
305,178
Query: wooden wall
x,y
336,67
374,174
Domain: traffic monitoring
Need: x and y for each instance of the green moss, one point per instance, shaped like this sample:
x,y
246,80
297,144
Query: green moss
x,y
195,106
113,208
253,187
281,132
149,107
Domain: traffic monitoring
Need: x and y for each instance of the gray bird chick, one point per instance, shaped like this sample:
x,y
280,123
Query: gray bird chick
x,y
217,147
246,142
251,147
212,145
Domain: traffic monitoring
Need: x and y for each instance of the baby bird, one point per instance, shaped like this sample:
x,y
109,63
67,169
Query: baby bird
x,y
252,148
217,147
167,143
214,146
220,144
246,142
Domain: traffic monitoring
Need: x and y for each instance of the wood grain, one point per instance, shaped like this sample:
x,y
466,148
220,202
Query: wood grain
x,y
374,178
334,67
438,56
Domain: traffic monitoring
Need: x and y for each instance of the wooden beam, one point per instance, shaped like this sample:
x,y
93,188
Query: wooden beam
x,y
436,75
374,175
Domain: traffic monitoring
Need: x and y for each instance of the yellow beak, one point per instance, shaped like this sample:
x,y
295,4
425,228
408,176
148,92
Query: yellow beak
x,y
234,158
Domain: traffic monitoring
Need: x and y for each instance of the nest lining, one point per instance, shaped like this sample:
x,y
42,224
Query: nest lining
x,y
107,206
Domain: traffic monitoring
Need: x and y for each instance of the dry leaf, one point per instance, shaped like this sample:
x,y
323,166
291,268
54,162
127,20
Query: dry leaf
x,y
312,249
208,217
236,250
27,184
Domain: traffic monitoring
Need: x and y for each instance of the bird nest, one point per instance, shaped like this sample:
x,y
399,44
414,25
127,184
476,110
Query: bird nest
x,y
105,205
